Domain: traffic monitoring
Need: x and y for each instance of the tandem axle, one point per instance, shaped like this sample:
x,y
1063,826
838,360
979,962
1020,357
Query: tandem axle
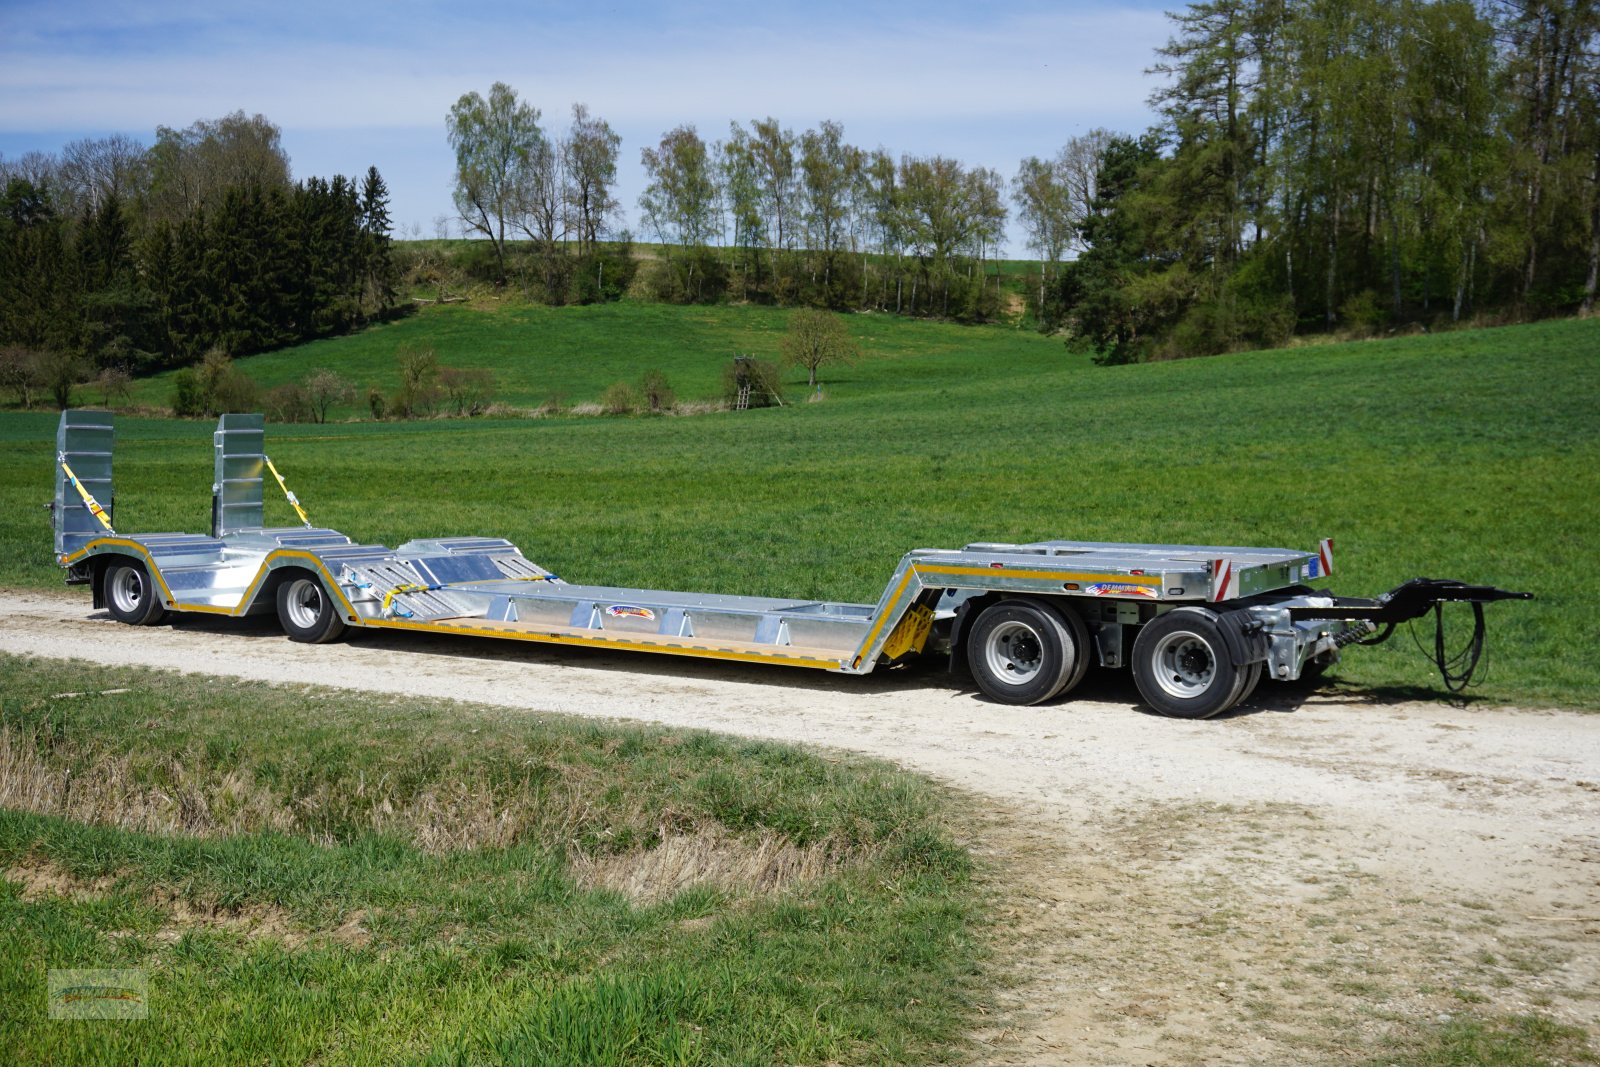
x,y
1200,626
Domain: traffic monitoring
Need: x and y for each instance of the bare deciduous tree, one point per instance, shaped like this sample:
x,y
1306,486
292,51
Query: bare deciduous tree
x,y
95,169
190,168
325,389
815,339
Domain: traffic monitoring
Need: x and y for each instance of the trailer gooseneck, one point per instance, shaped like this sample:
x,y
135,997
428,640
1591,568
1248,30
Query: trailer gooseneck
x,y
1200,626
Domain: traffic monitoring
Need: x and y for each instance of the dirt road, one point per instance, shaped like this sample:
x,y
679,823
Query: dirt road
x,y
1302,881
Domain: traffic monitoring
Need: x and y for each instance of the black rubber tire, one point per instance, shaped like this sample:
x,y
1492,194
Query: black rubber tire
x,y
1182,668
130,594
1083,649
306,611
1252,678
1021,652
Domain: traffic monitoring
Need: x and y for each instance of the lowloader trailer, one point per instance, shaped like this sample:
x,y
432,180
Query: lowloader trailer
x,y
1199,626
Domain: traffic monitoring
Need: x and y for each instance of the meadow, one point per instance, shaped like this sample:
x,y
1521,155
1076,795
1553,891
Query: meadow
x,y
1472,454
569,355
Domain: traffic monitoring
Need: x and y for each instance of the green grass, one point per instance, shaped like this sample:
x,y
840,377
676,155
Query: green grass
x,y
1510,1041
272,859
572,353
1473,455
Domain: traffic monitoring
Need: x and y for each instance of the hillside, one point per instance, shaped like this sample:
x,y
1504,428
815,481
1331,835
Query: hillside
x,y
1472,455
571,354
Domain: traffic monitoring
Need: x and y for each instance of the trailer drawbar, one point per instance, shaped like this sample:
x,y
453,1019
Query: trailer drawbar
x,y
1200,626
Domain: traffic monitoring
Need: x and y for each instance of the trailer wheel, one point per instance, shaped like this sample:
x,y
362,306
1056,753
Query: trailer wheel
x,y
131,595
1252,678
1182,667
1021,652
307,612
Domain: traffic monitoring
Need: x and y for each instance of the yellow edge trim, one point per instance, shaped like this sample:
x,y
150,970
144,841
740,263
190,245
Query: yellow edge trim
x,y
174,604
1063,576
608,642
917,571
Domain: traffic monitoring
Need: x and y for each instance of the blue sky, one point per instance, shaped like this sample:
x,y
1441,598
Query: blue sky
x,y
357,83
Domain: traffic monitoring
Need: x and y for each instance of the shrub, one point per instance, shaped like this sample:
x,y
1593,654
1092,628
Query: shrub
x,y
419,383
288,403
114,384
619,399
377,404
223,386
470,389
188,394
657,395
1362,314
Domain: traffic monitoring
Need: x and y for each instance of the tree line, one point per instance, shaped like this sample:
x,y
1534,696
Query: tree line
x,y
1332,165
122,258
765,214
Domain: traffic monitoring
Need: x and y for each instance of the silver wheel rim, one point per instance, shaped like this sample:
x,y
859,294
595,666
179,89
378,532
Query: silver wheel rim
x,y
1185,666
127,589
304,603
1014,653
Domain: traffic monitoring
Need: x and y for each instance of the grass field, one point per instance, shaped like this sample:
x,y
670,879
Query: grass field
x,y
571,354
1473,455
311,876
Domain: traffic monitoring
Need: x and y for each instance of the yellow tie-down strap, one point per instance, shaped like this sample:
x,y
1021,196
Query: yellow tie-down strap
x,y
88,499
290,496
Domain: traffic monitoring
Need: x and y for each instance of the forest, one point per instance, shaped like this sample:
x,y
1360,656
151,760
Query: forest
x,y
118,259
1317,165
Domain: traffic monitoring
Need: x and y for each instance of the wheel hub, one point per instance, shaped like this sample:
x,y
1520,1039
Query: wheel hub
x,y
305,603
1014,652
1185,666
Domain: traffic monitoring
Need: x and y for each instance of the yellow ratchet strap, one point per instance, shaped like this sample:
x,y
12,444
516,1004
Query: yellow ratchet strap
x,y
88,500
388,598
293,503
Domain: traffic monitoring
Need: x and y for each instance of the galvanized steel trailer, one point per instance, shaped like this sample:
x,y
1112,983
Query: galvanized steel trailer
x,y
1199,625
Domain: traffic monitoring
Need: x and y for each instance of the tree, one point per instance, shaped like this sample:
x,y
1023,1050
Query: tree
x,y
419,382
680,201
815,339
591,150
829,170
22,372
1053,199
378,254
93,169
190,169
496,142
772,153
1044,209
947,210
325,389
61,371
879,203
1103,280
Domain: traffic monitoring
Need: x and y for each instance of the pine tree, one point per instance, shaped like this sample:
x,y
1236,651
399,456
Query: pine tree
x,y
378,268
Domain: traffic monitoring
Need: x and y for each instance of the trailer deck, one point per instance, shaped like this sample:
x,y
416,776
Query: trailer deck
x,y
1033,616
